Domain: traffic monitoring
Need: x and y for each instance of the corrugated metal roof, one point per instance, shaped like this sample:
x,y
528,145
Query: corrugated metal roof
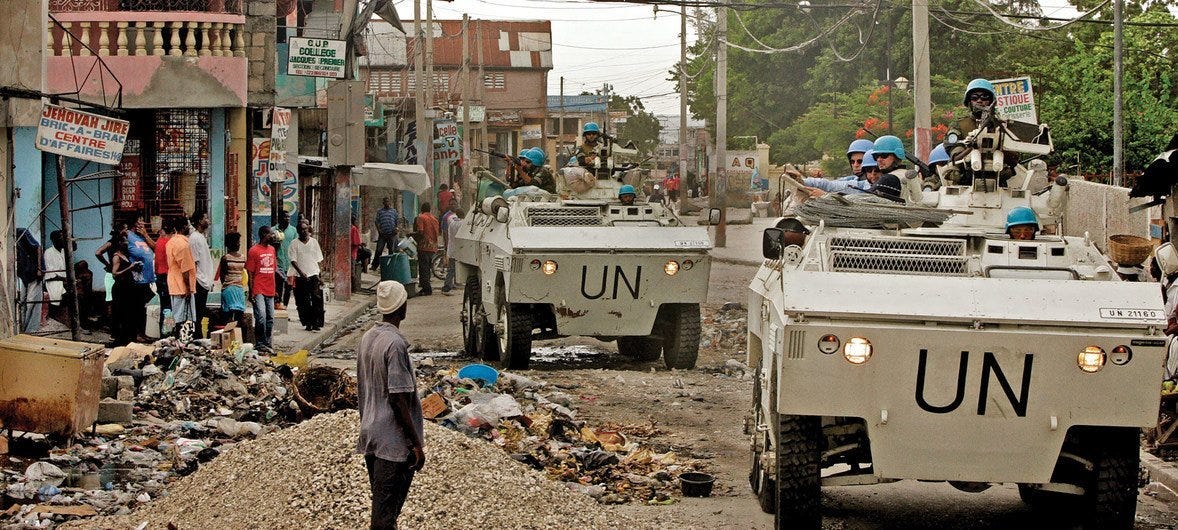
x,y
578,103
505,43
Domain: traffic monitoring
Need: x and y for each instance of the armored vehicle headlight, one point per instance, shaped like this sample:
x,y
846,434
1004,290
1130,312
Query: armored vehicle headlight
x,y
857,350
1092,359
549,267
671,268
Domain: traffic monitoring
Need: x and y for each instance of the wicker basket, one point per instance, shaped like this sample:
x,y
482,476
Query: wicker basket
x,y
1125,249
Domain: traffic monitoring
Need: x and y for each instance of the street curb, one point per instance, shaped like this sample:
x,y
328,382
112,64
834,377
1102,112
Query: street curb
x,y
1160,471
331,328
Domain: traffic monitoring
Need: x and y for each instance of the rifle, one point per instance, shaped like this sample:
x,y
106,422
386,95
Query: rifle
x,y
513,159
925,171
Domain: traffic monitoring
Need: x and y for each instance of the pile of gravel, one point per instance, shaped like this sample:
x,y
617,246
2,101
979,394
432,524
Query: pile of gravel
x,y
307,476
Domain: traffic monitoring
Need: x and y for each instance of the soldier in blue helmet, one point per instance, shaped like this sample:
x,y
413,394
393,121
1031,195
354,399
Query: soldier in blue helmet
x,y
980,100
626,194
531,171
591,145
857,155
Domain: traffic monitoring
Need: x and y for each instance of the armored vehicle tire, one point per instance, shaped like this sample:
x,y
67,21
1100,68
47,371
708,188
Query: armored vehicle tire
x,y
767,494
1113,494
478,338
799,480
680,335
515,336
643,349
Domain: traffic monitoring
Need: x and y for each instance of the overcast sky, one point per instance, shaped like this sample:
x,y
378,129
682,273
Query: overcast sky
x,y
627,46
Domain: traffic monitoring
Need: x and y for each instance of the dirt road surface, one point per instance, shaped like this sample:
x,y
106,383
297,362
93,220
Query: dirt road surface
x,y
702,412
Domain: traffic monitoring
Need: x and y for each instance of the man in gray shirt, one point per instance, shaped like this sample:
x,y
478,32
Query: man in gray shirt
x,y
204,266
391,433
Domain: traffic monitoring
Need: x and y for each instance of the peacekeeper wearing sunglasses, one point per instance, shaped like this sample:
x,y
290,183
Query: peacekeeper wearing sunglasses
x,y
979,99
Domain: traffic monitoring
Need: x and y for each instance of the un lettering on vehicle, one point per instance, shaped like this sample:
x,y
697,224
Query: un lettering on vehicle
x,y
613,281
994,380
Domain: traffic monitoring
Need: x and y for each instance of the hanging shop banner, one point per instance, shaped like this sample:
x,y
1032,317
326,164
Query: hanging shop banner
x,y
128,191
446,128
478,113
448,149
1015,99
279,130
82,135
316,57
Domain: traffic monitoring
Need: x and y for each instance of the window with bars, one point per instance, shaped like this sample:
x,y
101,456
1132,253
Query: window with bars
x,y
441,82
384,82
495,81
179,183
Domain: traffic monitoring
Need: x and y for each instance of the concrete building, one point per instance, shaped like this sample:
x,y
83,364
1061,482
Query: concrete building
x,y
575,112
510,104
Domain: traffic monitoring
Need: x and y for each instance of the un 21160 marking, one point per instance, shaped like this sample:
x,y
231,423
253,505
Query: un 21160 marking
x,y
619,279
989,366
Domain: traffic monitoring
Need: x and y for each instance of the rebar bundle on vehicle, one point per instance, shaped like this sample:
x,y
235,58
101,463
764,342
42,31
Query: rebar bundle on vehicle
x,y
867,211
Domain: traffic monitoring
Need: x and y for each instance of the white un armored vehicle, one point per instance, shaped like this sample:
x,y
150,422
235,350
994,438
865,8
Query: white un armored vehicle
x,y
537,266
950,352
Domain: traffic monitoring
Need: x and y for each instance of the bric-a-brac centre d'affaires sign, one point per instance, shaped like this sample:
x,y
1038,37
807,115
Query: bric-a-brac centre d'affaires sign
x,y
316,57
82,135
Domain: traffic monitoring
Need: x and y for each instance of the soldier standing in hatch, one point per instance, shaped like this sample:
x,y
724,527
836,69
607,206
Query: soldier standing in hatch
x,y
980,100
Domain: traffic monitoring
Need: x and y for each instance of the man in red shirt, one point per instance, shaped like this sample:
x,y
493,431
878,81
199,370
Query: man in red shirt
x,y
425,233
161,268
444,197
261,262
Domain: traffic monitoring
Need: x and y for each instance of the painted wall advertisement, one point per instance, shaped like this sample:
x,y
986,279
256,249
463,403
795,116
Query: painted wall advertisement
x,y
279,130
447,149
1015,99
128,189
741,165
316,57
82,135
531,132
261,172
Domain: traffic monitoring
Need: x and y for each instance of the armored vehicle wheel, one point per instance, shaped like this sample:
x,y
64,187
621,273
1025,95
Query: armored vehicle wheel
x,y
680,323
643,349
763,485
478,338
799,480
515,335
1113,493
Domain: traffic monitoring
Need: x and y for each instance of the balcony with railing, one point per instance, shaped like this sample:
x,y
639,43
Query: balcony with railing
x,y
164,53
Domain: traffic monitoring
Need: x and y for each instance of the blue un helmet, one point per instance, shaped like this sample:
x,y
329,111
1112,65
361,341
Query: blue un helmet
x,y
591,127
889,144
1021,215
534,155
859,146
939,155
627,190
978,84
869,159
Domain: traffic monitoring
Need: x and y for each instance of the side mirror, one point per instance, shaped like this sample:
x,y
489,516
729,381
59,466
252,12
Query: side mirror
x,y
714,216
772,243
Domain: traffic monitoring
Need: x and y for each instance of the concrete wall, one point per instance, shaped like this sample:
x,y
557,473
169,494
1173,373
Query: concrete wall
x,y
261,26
154,82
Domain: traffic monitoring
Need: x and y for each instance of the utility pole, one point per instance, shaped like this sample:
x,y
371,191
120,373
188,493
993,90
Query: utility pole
x,y
467,196
682,104
418,89
719,192
560,125
1118,96
482,85
605,118
429,91
921,89
67,233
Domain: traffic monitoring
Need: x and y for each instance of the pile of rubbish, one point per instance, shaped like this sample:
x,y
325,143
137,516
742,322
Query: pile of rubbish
x,y
308,477
186,403
538,426
724,329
